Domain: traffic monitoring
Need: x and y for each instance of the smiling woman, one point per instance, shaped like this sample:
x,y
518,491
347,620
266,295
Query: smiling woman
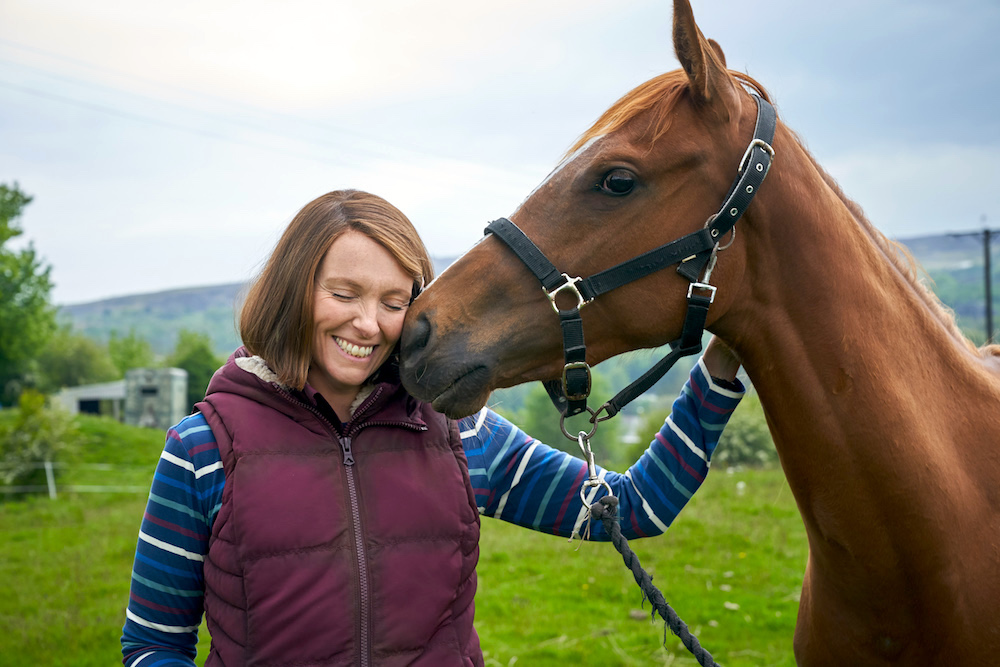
x,y
361,297
317,513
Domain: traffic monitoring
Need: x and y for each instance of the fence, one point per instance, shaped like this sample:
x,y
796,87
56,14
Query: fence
x,y
51,486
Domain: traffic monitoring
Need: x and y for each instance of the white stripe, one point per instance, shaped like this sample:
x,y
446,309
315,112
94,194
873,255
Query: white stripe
x,y
201,472
686,440
649,510
480,419
179,462
141,657
172,548
714,387
177,629
585,507
517,478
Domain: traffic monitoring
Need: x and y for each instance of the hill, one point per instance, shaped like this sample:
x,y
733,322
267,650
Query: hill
x,y
954,264
159,316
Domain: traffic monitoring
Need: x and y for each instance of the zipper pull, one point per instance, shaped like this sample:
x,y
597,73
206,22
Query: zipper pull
x,y
345,444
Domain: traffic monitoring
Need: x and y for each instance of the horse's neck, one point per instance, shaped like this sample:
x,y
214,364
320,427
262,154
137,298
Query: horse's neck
x,y
871,398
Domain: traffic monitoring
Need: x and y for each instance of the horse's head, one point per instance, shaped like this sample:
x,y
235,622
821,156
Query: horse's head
x,y
653,168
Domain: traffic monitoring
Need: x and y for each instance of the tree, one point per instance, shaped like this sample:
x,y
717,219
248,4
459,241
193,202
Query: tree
x,y
194,354
130,351
72,359
540,419
37,434
27,319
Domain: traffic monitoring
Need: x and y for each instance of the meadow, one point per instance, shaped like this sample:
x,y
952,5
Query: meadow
x,y
731,565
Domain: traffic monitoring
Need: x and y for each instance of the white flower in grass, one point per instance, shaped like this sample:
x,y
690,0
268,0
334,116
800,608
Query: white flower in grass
x,y
732,606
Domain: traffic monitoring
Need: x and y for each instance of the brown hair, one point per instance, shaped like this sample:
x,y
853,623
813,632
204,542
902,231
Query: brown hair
x,y
276,320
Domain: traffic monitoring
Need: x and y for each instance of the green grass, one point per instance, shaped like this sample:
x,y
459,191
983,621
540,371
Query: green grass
x,y
65,564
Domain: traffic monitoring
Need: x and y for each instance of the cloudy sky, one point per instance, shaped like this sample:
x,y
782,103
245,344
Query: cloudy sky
x,y
168,144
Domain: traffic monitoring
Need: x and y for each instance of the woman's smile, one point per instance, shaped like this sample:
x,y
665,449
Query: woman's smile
x,y
356,351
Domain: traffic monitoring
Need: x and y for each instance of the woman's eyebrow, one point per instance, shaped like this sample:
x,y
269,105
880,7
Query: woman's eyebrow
x,y
345,282
340,281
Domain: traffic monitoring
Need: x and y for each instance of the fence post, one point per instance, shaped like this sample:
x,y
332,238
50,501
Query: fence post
x,y
51,479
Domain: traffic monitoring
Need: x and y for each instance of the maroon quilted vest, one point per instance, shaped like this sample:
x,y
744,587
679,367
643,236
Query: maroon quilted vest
x,y
338,548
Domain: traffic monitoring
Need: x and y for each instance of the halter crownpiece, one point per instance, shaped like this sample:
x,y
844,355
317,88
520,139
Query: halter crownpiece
x,y
695,255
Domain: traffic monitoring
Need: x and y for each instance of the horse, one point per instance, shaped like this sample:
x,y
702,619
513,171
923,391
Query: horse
x,y
885,417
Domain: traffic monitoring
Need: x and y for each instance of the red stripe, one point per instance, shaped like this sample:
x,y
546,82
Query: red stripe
x,y
670,448
700,395
635,525
158,607
202,448
562,510
174,527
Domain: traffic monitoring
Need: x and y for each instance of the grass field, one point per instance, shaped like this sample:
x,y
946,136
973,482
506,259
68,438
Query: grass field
x,y
731,566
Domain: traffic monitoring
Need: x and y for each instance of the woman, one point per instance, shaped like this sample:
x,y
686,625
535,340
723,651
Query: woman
x,y
318,514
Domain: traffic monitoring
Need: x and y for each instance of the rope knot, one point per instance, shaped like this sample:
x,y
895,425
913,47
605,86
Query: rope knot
x,y
606,508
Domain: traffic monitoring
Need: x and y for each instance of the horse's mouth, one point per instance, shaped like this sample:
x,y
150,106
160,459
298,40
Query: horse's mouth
x,y
465,395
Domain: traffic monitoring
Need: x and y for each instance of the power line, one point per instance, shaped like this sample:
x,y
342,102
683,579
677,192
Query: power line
x,y
378,148
986,234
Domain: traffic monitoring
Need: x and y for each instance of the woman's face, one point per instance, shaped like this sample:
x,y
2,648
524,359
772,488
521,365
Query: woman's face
x,y
360,299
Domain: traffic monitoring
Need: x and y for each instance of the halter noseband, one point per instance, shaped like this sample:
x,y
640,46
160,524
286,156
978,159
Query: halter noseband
x,y
694,252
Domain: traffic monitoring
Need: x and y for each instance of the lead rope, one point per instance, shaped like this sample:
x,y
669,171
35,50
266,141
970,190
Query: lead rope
x,y
606,510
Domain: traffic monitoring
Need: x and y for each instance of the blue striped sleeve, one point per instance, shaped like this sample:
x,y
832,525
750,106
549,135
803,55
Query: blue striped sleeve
x,y
519,479
167,592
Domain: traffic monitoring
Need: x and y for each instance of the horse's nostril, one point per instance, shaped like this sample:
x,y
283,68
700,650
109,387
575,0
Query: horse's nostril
x,y
416,335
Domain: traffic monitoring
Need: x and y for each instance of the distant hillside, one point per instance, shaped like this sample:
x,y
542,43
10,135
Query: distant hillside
x,y
955,265
946,252
159,316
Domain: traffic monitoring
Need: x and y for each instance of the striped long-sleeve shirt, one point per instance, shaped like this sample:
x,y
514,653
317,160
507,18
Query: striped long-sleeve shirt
x,y
515,478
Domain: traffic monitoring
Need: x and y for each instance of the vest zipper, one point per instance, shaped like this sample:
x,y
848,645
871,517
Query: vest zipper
x,y
364,611
345,445
359,546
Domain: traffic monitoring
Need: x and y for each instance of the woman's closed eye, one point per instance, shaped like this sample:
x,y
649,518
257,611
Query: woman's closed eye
x,y
395,306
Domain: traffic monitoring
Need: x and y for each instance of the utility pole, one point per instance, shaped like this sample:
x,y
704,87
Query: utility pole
x,y
986,234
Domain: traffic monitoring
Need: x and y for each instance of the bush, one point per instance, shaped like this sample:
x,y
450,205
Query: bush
x,y
746,441
747,438
35,435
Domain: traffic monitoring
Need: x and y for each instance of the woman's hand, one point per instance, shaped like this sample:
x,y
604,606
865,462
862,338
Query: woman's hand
x,y
720,360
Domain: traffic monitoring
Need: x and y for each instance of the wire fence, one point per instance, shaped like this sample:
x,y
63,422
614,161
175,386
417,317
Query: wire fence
x,y
53,488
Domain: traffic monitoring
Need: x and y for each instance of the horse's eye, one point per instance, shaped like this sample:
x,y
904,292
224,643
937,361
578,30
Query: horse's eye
x,y
618,182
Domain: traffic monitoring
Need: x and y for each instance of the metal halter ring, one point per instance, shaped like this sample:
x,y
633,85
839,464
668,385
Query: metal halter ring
x,y
570,287
593,416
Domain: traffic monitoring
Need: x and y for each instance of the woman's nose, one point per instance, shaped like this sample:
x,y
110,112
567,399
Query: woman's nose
x,y
366,320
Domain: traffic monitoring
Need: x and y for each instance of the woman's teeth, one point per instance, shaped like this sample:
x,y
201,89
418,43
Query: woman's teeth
x,y
355,350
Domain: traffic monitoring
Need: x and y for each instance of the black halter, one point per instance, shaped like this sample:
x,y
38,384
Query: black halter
x,y
695,252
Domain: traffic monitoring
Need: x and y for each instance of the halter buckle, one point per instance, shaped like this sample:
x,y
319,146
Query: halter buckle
x,y
573,365
568,286
705,286
755,144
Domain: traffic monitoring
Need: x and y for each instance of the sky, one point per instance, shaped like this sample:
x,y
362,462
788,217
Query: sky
x,y
167,145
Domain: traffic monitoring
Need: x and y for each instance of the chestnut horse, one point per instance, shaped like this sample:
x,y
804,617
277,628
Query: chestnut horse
x,y
886,419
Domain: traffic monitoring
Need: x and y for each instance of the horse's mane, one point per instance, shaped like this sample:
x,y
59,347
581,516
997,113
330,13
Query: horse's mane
x,y
661,94
899,256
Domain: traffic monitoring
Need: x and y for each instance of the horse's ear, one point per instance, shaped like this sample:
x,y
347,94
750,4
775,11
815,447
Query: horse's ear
x,y
703,61
718,50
